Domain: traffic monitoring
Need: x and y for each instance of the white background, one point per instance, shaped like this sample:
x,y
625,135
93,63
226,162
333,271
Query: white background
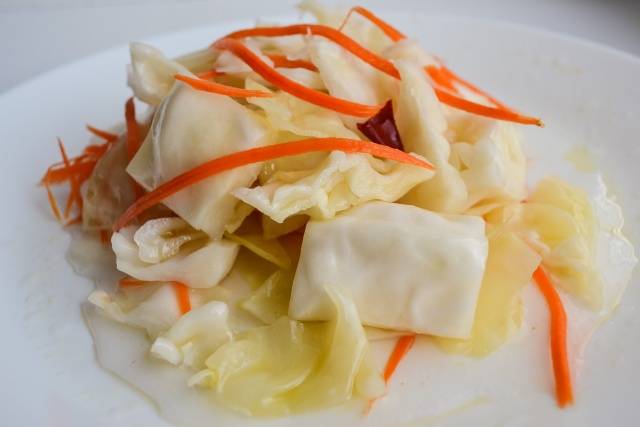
x,y
37,35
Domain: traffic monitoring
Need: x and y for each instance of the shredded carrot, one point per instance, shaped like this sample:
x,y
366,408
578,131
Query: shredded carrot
x,y
283,62
74,221
105,236
107,136
74,190
386,28
182,297
294,88
403,345
261,154
558,338
445,77
133,133
209,74
129,282
53,203
213,87
332,34
483,110
365,55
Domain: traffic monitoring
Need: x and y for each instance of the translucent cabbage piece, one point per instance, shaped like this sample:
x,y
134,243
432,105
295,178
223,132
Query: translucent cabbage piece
x,y
151,74
198,264
195,336
409,50
272,229
161,238
271,300
558,221
289,366
189,128
108,192
154,309
346,76
510,264
340,182
288,113
251,237
422,126
406,268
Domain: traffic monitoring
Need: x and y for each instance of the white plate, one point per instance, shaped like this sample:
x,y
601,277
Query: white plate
x,y
587,94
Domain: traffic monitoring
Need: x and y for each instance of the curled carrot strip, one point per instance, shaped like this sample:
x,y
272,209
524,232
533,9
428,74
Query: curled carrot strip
x,y
107,136
558,338
105,236
213,87
209,74
403,345
332,34
282,61
367,56
386,28
483,110
261,154
182,297
128,282
294,88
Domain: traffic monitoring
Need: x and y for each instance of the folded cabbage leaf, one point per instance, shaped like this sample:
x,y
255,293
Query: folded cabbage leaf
x,y
199,263
195,336
151,74
406,268
422,126
190,128
340,182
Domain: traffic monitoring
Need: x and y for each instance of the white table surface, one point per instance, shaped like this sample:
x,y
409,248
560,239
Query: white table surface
x,y
37,35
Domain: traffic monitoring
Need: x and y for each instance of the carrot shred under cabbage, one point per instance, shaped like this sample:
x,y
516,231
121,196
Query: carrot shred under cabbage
x,y
391,32
213,87
261,154
282,61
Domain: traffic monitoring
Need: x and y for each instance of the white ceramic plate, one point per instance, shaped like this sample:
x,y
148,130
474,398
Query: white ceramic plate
x,y
588,96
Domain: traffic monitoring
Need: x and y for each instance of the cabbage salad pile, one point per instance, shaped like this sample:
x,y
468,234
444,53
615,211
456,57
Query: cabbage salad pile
x,y
294,192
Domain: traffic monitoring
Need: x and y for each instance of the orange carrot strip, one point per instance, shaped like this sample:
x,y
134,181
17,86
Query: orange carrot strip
x,y
483,110
105,236
213,87
283,62
403,345
209,74
74,190
294,88
364,54
558,338
454,77
56,175
261,154
182,297
386,28
128,282
74,221
133,133
107,136
332,34
440,79
53,203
